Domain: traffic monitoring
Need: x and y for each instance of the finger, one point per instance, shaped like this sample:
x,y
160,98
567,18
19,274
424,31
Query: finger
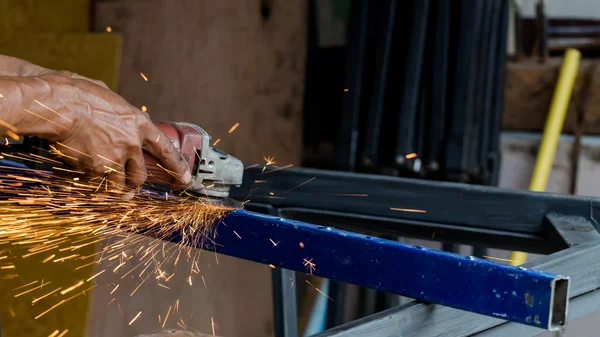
x,y
135,170
129,195
159,146
114,173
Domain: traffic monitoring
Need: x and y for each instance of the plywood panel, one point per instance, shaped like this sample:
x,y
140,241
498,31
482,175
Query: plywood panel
x,y
217,63
44,16
89,54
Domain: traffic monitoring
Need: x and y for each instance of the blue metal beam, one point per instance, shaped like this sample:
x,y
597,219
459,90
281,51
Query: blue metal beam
x,y
517,294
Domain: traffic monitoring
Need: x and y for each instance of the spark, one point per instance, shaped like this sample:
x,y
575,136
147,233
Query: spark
x,y
410,210
167,316
8,126
310,265
319,290
144,77
63,333
112,161
190,279
55,112
30,290
346,90
273,242
236,234
73,149
12,135
277,169
25,286
411,155
136,317
272,266
54,334
144,109
48,294
46,119
216,142
269,161
301,244
96,275
497,259
108,29
63,214
75,286
347,194
212,323
304,183
235,126
51,308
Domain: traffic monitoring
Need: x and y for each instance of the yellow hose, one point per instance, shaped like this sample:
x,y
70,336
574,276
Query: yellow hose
x,y
552,131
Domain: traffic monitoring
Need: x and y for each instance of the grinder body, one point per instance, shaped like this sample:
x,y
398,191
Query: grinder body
x,y
213,171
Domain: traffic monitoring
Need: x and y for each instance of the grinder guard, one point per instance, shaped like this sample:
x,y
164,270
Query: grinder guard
x,y
213,171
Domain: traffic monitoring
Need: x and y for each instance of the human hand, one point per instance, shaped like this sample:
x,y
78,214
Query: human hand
x,y
96,130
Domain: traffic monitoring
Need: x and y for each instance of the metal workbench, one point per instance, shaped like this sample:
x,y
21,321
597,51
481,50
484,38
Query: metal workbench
x,y
562,226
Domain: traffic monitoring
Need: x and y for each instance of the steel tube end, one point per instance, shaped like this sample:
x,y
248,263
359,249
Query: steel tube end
x,y
559,303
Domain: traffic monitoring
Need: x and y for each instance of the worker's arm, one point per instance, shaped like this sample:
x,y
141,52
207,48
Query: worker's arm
x,y
12,66
88,122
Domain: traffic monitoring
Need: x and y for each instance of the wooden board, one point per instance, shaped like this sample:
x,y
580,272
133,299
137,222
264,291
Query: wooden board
x,y
213,63
44,16
217,63
529,89
89,54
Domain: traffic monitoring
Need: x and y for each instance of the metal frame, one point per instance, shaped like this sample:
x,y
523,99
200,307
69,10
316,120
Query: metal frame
x,y
518,294
553,222
456,213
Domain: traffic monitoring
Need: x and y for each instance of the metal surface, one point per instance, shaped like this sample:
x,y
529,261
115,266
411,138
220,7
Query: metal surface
x,y
527,296
579,307
498,96
348,138
410,97
370,157
285,308
284,303
572,230
438,83
418,319
411,201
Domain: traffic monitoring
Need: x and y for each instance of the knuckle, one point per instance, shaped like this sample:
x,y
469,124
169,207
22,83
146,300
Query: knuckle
x,y
168,150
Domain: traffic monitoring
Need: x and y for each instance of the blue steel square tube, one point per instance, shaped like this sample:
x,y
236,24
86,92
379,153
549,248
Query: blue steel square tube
x,y
531,297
